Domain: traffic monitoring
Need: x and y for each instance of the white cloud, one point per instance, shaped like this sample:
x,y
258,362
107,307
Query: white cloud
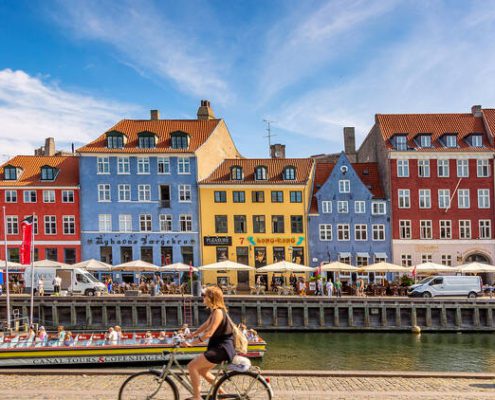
x,y
32,109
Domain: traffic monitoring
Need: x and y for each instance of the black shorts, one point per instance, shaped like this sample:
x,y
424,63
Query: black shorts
x,y
217,355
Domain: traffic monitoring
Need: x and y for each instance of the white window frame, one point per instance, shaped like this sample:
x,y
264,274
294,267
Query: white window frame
x,y
148,223
185,222
403,168
485,229
443,199
465,231
343,230
143,165
426,258
360,232
359,207
66,195
443,168
144,193
325,232
12,224
105,222
483,168
404,196
183,166
422,144
378,232
342,207
103,165
344,186
166,223
445,224
69,221
451,141
376,208
477,140
49,196
405,229
483,198
424,168
125,223
48,220
165,161
462,168
463,198
426,229
326,207
406,260
424,198
125,193
123,166
446,259
104,189
185,194
28,192
10,196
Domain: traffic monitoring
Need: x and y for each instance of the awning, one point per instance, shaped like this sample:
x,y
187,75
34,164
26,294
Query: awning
x,y
344,255
381,255
366,255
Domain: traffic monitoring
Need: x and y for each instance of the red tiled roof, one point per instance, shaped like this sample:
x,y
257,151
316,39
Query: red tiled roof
x,y
68,171
489,114
367,172
198,130
275,168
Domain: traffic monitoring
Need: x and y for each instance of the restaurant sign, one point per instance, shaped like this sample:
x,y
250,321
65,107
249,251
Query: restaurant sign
x,y
218,240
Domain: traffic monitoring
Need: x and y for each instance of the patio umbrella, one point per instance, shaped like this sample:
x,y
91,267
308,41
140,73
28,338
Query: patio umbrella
x,y
10,264
136,266
177,267
476,267
285,266
431,268
226,265
50,263
93,265
338,266
384,267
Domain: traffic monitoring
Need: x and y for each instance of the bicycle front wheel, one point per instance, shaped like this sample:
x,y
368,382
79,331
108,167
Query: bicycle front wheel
x,y
242,386
147,385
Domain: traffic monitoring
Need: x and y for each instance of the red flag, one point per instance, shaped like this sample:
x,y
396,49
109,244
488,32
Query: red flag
x,y
27,234
414,272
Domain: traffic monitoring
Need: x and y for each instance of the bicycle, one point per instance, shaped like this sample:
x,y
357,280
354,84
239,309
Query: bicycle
x,y
158,384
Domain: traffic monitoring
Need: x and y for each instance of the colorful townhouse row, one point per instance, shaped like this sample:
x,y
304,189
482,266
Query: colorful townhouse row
x,y
420,188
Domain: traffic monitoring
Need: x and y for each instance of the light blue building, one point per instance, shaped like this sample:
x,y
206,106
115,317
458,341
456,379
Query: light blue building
x,y
139,193
349,215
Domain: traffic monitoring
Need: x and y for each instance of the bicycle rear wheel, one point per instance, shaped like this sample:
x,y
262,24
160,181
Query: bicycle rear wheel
x,y
148,385
242,386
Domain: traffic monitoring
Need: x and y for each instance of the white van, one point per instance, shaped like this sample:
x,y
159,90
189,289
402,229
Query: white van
x,y
433,286
74,280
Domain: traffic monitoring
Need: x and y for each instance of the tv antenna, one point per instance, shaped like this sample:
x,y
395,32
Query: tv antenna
x,y
269,133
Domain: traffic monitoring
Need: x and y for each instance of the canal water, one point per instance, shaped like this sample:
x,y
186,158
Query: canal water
x,y
470,352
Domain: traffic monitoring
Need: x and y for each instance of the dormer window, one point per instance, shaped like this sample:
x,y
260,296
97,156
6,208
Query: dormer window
x,y
180,140
236,173
477,140
48,173
424,140
401,142
450,141
260,173
10,173
115,140
146,140
289,173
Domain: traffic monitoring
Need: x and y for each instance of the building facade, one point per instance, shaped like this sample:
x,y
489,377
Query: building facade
x,y
139,192
47,186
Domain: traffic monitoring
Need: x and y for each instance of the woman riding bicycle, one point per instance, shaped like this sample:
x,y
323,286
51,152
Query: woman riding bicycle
x,y
218,329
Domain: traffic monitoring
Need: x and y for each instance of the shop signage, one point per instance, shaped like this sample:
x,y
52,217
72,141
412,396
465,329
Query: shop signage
x,y
218,240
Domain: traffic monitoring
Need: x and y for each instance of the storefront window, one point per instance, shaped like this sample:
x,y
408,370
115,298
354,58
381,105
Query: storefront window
x,y
298,255
13,255
125,254
167,255
147,254
243,255
70,256
51,254
278,254
187,255
222,254
106,254
259,257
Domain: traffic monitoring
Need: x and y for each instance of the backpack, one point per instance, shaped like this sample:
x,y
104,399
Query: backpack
x,y
240,340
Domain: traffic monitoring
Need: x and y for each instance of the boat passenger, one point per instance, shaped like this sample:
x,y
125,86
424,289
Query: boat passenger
x,y
111,337
42,335
118,329
60,333
148,338
252,335
185,330
243,329
68,340
163,337
41,286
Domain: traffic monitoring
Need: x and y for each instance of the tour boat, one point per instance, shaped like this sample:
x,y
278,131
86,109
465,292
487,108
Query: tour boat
x,y
92,349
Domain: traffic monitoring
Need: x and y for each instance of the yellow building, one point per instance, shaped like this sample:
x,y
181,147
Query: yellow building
x,y
254,212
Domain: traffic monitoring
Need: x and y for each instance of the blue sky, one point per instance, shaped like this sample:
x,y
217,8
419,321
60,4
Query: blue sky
x,y
71,69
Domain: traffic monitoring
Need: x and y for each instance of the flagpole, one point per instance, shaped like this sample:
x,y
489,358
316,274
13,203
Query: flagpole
x,y
32,272
7,283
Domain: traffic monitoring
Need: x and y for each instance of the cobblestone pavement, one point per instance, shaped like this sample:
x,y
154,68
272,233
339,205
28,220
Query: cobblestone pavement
x,y
100,387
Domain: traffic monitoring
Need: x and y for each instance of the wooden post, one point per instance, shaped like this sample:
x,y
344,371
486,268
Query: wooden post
x,y
104,316
458,317
443,317
275,314
322,314
164,315
89,315
258,315
336,316
384,316
428,316
305,315
414,317
398,321
350,316
54,314
118,315
289,316
73,315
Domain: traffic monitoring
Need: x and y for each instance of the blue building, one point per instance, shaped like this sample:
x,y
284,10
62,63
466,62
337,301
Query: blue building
x,y
349,215
139,193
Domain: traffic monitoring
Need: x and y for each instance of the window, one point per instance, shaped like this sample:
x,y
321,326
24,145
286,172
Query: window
x,y
125,192
115,140
296,223
104,223
239,196
258,197
259,224
220,196
143,164
344,186
185,222
35,224
447,260
125,223
326,207
445,229
12,225
30,196
123,166
48,196
426,258
146,141
360,207
278,224
277,196
180,140
426,229
485,227
163,164
443,168
378,208
102,165
483,198
184,193
296,196
69,225
145,223
405,229
378,232
463,198
361,261
48,173
342,207
462,168
476,140
240,225
50,225
183,166
52,254
401,142
360,232
10,173
221,224
425,141
443,198
325,232
165,223
289,174
144,192
402,168
236,173
343,232
406,260
11,196
450,141
260,173
424,168
424,198
464,229
404,198
67,196
483,168
104,192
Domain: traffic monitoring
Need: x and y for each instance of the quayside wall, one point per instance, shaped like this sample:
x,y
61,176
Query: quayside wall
x,y
264,313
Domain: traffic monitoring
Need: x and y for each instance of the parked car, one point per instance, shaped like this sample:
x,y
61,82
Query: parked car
x,y
433,286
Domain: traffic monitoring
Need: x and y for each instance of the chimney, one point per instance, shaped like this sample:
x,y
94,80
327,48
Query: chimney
x,y
277,151
476,111
205,111
155,115
349,140
49,146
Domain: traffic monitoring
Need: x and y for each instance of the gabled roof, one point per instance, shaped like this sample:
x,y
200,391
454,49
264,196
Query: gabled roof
x,y
489,114
67,166
275,168
198,131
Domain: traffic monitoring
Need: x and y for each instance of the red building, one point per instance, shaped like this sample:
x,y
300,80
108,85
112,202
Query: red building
x,y
49,187
438,169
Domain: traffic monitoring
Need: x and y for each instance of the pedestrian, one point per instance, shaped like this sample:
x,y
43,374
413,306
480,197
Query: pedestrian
x,y
338,288
329,286
41,286
301,287
60,334
57,282
319,285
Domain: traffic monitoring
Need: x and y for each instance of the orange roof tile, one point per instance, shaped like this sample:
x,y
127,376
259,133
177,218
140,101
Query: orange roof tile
x,y
198,130
489,114
275,168
68,174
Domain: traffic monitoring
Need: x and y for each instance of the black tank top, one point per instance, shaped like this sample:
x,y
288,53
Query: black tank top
x,y
224,330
